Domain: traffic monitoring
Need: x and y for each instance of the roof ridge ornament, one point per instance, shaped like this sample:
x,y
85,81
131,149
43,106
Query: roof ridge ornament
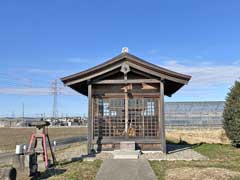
x,y
125,50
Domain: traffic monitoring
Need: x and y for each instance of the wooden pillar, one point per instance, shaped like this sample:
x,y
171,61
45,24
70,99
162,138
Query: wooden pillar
x,y
125,69
126,105
161,118
90,119
126,112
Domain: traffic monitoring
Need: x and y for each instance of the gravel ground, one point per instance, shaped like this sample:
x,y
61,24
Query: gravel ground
x,y
176,152
201,173
187,155
104,155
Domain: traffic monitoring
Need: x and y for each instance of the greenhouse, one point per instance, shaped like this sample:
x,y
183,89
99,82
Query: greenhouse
x,y
189,114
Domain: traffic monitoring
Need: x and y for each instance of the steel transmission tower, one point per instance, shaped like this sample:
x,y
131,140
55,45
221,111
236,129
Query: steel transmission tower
x,y
55,97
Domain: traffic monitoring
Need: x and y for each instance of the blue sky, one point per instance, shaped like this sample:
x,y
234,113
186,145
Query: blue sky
x,y
44,40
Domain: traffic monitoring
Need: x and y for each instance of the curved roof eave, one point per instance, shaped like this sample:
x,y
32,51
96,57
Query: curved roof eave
x,y
129,57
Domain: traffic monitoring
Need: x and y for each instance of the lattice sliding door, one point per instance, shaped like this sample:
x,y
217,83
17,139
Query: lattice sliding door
x,y
109,117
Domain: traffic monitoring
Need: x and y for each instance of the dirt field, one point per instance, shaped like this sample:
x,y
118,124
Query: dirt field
x,y
9,137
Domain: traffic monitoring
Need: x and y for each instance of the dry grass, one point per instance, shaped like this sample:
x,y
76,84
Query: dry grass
x,y
73,151
198,135
80,170
71,165
10,137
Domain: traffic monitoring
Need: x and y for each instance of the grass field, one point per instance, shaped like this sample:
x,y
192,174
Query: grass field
x,y
10,137
223,159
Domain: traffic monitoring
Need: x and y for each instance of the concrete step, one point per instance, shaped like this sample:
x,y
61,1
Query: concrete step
x,y
126,154
127,145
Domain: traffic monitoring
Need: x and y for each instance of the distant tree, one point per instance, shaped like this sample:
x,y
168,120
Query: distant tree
x,y
231,115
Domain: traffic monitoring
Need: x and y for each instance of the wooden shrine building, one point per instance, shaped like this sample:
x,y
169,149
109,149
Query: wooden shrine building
x,y
126,101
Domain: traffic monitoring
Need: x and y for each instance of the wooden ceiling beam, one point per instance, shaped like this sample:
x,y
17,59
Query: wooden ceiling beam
x,y
128,81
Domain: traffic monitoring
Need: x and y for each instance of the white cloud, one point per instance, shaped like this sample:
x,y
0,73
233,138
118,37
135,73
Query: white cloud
x,y
33,81
44,71
40,91
207,79
207,74
25,91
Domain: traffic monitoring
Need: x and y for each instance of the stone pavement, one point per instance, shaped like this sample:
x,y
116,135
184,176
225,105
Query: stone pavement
x,y
123,169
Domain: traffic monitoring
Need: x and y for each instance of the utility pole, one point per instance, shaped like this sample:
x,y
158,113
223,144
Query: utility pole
x,y
55,94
